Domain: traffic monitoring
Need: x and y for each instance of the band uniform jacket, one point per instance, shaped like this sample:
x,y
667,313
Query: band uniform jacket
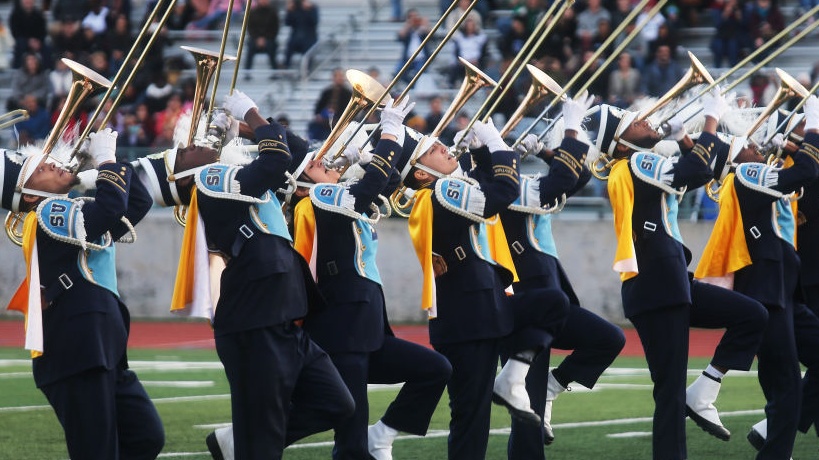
x,y
771,278
86,326
662,260
355,319
265,281
470,295
567,174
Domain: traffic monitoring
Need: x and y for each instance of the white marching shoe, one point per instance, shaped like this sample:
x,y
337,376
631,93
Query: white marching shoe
x,y
758,434
379,440
220,443
699,405
510,391
553,388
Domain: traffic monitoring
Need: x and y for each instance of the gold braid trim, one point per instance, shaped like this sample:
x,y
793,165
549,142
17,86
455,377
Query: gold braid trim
x,y
381,164
811,150
113,178
273,145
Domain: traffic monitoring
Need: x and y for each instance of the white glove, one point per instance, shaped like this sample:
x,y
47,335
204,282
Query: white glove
x,y
102,146
238,104
778,141
811,109
350,156
714,104
88,180
529,145
676,128
466,140
392,118
223,123
575,110
488,135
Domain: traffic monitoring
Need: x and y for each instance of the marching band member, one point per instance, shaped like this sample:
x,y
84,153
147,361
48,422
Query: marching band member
x,y
595,342
76,325
751,249
333,226
658,296
464,263
281,382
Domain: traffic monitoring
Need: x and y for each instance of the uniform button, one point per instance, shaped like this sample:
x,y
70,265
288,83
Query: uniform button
x,y
363,247
363,264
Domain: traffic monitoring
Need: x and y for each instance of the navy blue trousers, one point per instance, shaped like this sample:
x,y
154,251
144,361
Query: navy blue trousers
x,y
106,415
283,387
425,374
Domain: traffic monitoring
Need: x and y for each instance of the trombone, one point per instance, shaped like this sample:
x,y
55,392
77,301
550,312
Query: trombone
x,y
13,117
789,88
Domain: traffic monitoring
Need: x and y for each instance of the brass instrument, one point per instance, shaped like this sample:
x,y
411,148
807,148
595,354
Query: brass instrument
x,y
366,90
401,200
207,62
697,74
788,88
85,83
542,85
13,117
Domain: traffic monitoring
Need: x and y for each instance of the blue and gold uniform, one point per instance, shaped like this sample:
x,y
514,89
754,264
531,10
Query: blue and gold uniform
x,y
658,295
595,342
472,320
266,288
335,230
83,367
755,228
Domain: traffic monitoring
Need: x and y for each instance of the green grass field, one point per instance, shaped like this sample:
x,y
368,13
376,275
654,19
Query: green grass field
x,y
191,393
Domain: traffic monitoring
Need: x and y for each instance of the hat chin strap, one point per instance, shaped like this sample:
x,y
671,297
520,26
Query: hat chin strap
x,y
628,144
18,196
430,171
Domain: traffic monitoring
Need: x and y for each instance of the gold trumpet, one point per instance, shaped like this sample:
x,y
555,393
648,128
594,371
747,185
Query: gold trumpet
x,y
542,85
789,88
696,74
402,200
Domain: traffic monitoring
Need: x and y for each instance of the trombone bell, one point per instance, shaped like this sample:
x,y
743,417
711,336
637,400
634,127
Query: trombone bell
x,y
206,62
789,88
541,86
696,74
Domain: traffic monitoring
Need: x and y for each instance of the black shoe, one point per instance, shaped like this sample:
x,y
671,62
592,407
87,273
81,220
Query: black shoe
x,y
520,415
548,435
213,446
720,432
756,439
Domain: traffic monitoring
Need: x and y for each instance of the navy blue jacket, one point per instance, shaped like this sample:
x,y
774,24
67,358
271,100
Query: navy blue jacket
x,y
86,326
772,276
470,297
267,282
663,261
355,319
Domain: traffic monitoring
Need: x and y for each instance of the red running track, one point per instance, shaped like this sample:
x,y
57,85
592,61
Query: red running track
x,y
199,335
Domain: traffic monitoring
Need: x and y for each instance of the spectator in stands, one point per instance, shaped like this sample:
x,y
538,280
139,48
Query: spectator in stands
x,y
165,121
74,125
6,46
660,75
652,27
96,19
62,10
118,42
762,90
397,8
470,44
600,86
69,38
459,11
415,29
215,16
435,114
531,10
624,83
38,125
118,8
182,15
262,30
145,120
98,62
622,8
562,42
157,93
729,21
28,28
60,79
331,103
30,79
765,20
302,16
131,138
601,35
665,37
587,22
511,42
